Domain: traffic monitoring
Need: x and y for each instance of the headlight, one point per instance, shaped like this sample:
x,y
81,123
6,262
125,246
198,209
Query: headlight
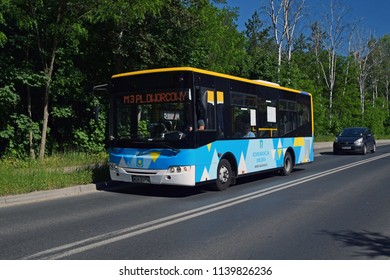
x,y
113,165
359,141
179,169
336,140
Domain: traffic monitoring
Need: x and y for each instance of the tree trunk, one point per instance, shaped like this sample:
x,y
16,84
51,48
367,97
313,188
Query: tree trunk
x,y
31,134
45,120
387,97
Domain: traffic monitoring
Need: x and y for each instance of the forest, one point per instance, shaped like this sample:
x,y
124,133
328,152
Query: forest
x,y
53,52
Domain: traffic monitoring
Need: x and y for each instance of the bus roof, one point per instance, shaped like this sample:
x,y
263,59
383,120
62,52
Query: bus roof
x,y
207,72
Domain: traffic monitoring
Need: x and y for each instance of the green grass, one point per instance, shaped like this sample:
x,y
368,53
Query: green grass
x,y
324,138
58,171
382,137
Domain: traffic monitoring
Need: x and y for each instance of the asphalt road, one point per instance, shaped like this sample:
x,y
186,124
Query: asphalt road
x,y
335,208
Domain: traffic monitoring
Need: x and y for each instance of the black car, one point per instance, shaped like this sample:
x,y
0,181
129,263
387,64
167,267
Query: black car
x,y
354,139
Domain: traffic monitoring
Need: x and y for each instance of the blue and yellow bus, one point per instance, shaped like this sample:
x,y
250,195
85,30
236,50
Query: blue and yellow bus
x,y
186,126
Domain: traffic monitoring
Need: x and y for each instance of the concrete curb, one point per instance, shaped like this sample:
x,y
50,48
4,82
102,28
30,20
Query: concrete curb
x,y
322,145
53,194
86,189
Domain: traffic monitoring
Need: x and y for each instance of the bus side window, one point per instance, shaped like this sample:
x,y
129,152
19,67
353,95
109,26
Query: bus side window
x,y
304,127
220,114
206,108
244,122
267,109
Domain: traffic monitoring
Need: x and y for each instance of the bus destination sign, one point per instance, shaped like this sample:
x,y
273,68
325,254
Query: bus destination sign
x,y
156,97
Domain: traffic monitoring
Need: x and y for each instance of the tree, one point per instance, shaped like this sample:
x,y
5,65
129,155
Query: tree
x,y
121,17
226,51
55,51
362,52
377,85
279,33
51,28
260,49
380,74
284,30
291,18
329,37
4,4
53,24
180,35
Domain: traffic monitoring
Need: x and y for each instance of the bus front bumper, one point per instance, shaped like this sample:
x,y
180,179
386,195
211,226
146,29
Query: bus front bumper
x,y
175,175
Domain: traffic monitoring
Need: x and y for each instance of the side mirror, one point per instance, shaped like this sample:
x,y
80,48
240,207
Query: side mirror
x,y
96,110
98,89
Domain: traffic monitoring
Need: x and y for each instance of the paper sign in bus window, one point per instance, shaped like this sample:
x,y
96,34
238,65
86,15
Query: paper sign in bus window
x,y
253,117
271,114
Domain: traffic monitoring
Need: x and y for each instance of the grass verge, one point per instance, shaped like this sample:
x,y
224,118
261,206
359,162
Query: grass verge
x,y
58,171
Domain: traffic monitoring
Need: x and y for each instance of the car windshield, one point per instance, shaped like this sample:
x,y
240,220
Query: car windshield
x,y
352,132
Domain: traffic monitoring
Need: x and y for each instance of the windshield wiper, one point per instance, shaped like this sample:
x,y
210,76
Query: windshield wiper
x,y
172,148
150,144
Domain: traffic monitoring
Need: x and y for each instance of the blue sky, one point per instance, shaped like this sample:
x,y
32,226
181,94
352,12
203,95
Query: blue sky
x,y
375,13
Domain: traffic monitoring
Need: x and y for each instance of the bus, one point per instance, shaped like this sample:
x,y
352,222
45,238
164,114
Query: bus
x,y
187,126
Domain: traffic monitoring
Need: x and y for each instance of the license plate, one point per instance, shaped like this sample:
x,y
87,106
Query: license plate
x,y
141,179
346,148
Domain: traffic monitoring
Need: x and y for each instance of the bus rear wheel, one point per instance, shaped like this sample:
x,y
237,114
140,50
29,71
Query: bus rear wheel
x,y
287,164
224,175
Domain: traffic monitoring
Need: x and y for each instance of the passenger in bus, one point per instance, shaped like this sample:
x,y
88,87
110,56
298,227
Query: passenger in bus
x,y
201,125
247,132
188,130
159,130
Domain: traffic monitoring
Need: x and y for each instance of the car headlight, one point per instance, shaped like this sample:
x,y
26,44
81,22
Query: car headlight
x,y
359,141
336,140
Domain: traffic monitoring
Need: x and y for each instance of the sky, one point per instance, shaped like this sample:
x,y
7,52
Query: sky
x,y
375,14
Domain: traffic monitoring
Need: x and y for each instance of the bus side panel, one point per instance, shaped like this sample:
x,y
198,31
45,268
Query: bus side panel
x,y
252,155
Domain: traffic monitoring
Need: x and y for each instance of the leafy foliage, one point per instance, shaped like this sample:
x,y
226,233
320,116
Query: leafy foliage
x,y
92,139
54,52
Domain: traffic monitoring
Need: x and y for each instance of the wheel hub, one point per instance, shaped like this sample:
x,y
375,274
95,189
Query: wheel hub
x,y
223,174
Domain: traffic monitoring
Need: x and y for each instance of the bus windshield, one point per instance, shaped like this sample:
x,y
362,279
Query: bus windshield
x,y
152,116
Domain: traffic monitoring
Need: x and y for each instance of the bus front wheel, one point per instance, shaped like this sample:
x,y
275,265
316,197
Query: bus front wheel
x,y
287,164
224,175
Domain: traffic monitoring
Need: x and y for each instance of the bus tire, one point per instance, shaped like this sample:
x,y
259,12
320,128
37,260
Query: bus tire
x,y
224,175
287,164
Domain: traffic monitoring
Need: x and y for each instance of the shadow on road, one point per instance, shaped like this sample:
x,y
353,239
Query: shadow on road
x,y
371,244
327,153
153,190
